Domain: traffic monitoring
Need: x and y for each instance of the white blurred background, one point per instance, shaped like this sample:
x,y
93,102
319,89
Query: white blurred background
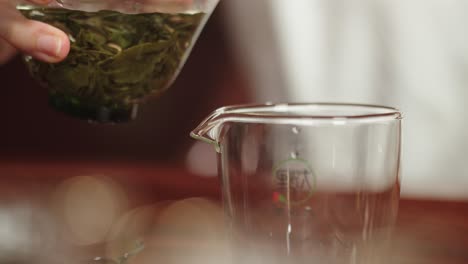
x,y
412,55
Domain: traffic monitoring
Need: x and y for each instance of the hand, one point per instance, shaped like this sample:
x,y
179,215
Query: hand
x,y
34,38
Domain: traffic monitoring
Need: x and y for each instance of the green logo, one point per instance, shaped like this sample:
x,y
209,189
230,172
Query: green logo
x,y
293,181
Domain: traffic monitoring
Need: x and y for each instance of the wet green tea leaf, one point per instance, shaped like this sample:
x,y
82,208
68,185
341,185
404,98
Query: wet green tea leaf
x,y
115,59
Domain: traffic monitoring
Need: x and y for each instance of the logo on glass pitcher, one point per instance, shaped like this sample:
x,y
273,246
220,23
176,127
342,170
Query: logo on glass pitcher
x,y
293,182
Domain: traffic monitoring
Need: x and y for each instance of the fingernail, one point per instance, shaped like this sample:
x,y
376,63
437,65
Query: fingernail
x,y
49,45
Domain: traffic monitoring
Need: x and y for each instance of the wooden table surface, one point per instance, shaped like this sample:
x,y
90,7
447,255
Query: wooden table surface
x,y
427,231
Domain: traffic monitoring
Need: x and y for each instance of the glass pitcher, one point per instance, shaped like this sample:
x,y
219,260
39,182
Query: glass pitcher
x,y
122,52
308,183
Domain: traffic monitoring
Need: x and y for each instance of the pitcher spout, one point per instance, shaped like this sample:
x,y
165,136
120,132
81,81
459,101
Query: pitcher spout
x,y
209,129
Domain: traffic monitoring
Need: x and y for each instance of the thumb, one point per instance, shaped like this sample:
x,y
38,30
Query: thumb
x,y
34,38
6,51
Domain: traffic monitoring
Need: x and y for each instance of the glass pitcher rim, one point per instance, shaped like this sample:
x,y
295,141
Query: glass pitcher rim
x,y
269,113
274,110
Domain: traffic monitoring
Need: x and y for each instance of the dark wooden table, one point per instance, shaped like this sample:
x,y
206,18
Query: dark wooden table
x,y
432,232
427,231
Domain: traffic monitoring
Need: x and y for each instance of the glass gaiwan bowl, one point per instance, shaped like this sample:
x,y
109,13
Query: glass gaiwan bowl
x,y
122,52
